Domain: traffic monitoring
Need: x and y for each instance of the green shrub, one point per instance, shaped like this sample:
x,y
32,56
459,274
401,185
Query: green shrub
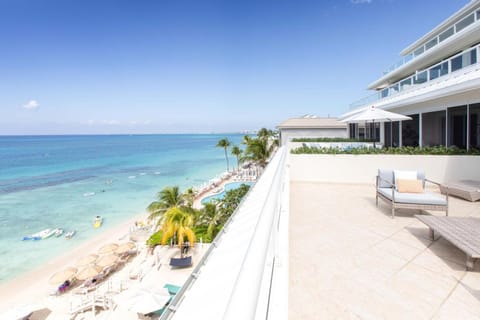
x,y
330,140
155,239
436,150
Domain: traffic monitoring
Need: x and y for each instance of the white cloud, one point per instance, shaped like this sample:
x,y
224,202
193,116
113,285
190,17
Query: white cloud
x,y
31,105
361,1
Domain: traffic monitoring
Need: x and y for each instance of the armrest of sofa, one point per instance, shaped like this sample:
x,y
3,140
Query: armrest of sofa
x,y
385,181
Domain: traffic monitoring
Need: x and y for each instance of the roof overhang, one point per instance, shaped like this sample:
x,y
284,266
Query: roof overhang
x,y
443,26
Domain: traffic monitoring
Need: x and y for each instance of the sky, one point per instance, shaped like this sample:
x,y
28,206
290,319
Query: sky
x,y
199,66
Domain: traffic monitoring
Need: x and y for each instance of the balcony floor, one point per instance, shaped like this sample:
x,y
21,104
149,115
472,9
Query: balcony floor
x,y
350,260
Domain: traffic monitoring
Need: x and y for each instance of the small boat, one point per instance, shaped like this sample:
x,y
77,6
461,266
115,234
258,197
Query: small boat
x,y
70,234
58,232
143,173
97,222
44,234
132,177
88,194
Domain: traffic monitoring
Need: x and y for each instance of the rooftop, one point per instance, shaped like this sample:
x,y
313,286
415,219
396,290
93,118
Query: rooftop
x,y
350,260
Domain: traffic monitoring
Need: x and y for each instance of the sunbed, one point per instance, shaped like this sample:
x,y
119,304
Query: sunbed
x,y
181,262
465,189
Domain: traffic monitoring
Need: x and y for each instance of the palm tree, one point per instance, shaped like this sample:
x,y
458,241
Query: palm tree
x,y
236,151
246,139
168,197
259,150
224,143
178,223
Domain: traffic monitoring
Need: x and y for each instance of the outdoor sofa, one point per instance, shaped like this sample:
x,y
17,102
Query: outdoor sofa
x,y
406,190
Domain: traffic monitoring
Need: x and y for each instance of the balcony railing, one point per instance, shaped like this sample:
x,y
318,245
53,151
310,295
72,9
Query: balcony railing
x,y
454,64
472,18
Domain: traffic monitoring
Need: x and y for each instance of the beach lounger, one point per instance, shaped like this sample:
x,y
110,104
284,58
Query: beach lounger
x,y
387,189
462,232
172,289
181,262
465,189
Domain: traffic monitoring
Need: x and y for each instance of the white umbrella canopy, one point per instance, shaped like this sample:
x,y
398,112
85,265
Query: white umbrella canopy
x,y
85,261
108,248
88,272
107,260
143,300
374,114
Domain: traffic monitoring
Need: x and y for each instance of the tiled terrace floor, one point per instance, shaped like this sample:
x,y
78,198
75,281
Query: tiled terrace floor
x,y
350,260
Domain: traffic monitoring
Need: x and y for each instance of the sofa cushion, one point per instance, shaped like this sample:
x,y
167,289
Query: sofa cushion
x,y
409,186
404,175
415,198
386,178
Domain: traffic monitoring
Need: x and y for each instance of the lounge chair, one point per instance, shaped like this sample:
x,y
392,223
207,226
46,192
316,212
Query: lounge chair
x,y
172,289
465,189
181,262
387,189
462,232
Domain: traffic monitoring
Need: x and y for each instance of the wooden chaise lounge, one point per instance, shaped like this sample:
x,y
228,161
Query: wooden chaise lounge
x,y
465,189
462,232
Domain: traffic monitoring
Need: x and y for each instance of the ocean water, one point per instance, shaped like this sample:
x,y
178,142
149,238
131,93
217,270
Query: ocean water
x,y
65,181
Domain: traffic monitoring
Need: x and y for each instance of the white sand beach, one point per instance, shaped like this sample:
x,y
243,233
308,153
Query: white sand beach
x,y
34,288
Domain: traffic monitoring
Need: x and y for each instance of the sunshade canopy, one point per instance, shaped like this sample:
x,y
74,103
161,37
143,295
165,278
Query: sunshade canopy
x,y
61,276
108,248
373,114
88,272
85,261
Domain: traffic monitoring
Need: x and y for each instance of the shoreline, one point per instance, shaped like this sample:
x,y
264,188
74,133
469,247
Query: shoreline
x,y
33,286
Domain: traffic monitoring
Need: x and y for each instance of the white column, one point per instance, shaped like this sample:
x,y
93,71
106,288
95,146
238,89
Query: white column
x,y
420,130
446,127
400,142
382,133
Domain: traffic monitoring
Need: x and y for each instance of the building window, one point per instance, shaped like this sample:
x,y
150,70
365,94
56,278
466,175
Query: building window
x,y
420,77
478,15
457,127
418,51
439,70
465,22
410,131
391,134
474,126
447,33
353,129
431,43
464,60
404,84
433,129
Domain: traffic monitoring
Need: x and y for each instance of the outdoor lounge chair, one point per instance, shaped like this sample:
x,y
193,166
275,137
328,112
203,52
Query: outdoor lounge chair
x,y
465,189
462,232
181,262
387,190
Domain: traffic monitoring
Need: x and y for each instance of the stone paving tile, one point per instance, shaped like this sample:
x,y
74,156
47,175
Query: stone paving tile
x,y
350,260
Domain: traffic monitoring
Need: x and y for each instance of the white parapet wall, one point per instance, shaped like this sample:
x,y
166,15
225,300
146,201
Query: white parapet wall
x,y
344,168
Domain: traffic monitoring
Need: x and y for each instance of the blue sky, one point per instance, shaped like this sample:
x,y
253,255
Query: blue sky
x,y
195,66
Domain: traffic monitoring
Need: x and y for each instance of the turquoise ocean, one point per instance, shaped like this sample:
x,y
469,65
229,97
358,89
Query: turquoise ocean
x,y
65,181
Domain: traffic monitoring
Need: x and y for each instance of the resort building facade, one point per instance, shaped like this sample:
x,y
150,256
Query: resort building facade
x,y
436,83
310,126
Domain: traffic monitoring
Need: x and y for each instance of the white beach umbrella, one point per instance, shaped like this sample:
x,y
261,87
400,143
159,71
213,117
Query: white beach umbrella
x,y
107,260
125,247
143,300
88,272
373,115
108,248
61,276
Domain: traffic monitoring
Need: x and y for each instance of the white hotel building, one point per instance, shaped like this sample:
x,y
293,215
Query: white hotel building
x,y
437,83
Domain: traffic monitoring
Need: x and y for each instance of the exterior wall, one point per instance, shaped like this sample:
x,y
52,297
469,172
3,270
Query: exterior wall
x,y
288,134
363,168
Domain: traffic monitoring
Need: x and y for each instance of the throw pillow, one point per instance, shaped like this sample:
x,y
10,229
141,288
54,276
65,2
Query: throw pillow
x,y
409,186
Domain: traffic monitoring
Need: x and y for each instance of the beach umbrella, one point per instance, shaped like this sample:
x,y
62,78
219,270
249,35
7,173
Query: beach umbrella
x,y
22,312
61,276
376,115
88,272
108,248
86,260
143,300
125,247
107,260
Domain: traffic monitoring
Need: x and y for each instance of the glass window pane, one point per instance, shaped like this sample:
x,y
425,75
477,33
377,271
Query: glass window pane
x,y
464,60
457,127
478,15
433,128
404,84
446,34
421,77
439,70
431,43
475,126
419,51
465,22
384,93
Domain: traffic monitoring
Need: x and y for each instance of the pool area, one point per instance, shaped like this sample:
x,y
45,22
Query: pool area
x,y
228,186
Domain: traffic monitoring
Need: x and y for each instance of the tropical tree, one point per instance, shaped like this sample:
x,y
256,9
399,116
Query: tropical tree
x,y
178,224
236,151
167,198
246,139
259,150
224,143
